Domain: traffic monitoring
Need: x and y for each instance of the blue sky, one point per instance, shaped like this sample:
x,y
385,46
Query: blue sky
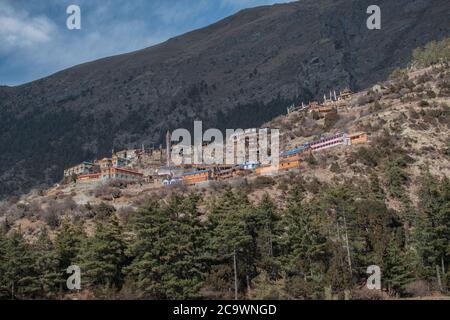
x,y
35,42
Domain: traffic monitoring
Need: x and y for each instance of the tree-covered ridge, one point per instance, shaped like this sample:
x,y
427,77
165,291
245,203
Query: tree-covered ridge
x,y
300,248
433,53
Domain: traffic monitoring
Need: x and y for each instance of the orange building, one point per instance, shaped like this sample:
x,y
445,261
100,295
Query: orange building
x,y
289,164
294,153
88,177
105,163
321,109
358,138
314,105
196,177
290,156
324,109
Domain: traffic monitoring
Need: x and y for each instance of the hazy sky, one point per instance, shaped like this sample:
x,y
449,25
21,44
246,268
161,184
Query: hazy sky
x,y
35,42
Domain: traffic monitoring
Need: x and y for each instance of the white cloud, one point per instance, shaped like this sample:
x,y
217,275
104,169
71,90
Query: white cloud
x,y
37,46
19,30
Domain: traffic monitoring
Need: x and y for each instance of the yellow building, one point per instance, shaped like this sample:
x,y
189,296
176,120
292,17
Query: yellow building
x,y
196,177
289,164
88,177
358,138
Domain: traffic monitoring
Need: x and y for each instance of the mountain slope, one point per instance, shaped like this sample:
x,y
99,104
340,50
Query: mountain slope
x,y
241,71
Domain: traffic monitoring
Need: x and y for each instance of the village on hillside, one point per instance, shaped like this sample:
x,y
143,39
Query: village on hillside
x,y
155,166
301,210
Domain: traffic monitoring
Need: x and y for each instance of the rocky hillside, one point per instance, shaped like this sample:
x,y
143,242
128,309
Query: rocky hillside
x,y
407,120
304,235
241,71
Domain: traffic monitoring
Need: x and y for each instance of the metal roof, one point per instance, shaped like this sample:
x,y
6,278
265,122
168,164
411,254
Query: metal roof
x,y
294,151
194,172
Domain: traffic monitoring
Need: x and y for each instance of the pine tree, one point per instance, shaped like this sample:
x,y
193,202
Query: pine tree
x,y
231,242
67,246
19,279
185,268
267,232
167,261
396,272
306,245
341,218
376,226
433,228
147,225
102,256
46,265
396,176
